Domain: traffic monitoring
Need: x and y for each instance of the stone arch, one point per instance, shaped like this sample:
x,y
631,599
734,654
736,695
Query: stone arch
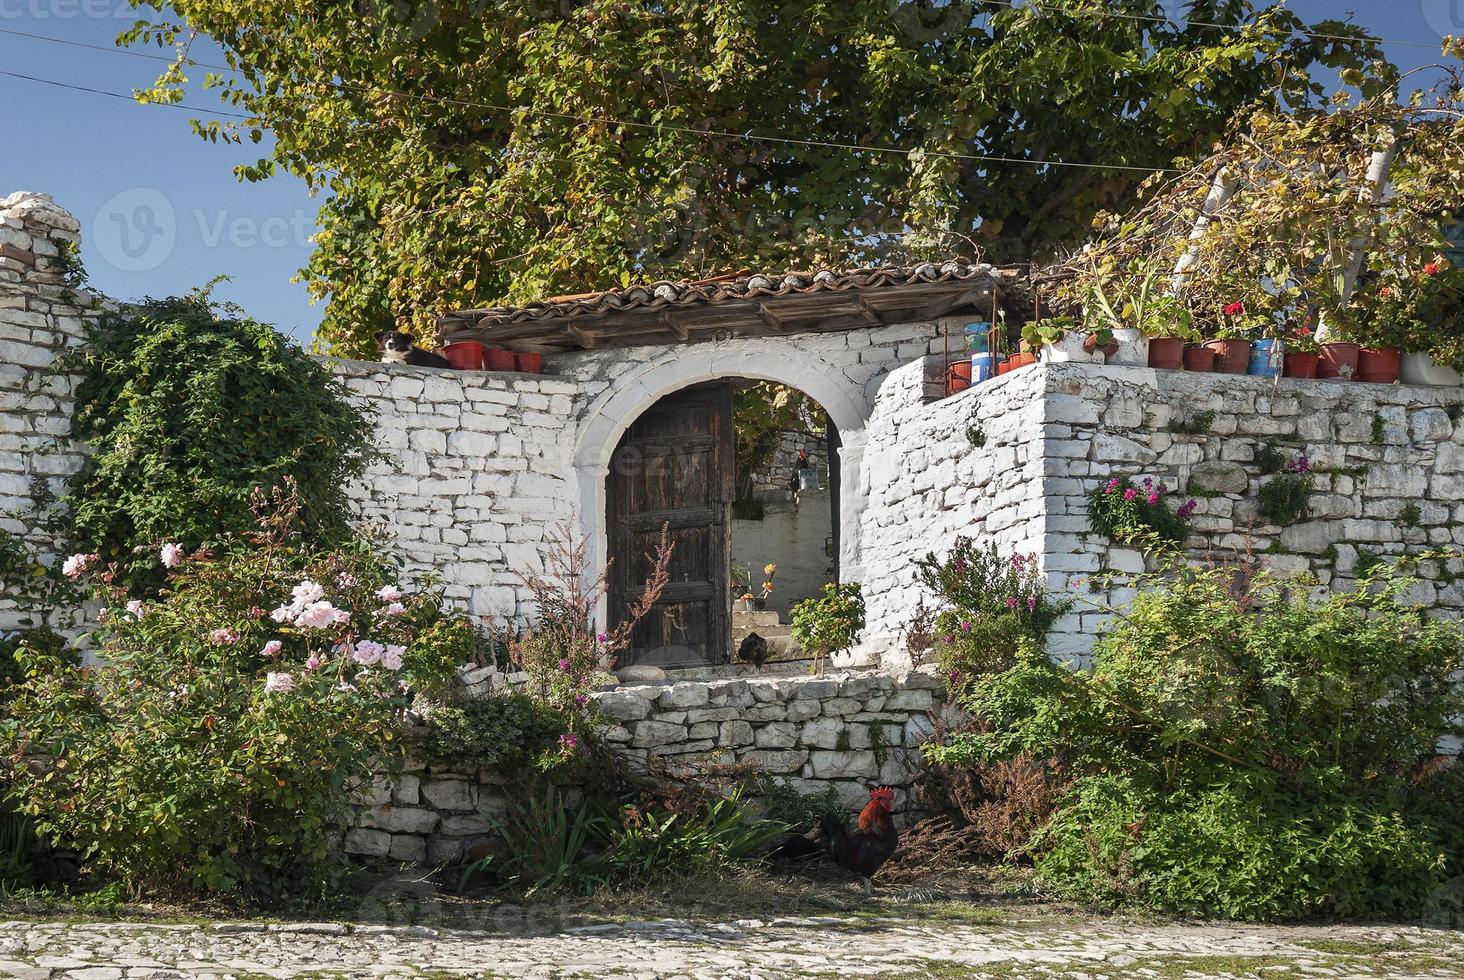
x,y
629,395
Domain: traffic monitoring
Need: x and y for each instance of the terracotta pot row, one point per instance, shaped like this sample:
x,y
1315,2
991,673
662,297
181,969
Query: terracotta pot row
x,y
958,375
469,355
1339,361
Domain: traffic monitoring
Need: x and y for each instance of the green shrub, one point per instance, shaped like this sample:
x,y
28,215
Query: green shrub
x,y
831,622
185,409
553,843
216,746
988,605
1137,516
507,733
1232,729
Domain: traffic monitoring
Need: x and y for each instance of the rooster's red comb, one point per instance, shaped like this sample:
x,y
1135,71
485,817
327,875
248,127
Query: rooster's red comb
x,y
884,794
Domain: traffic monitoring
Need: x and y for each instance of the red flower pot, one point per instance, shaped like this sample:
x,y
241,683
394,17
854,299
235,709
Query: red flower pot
x,y
1199,359
1378,365
1338,362
465,356
529,363
1231,356
498,360
1021,360
1300,366
958,376
1166,353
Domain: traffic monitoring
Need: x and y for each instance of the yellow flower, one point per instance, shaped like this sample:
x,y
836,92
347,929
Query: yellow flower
x,y
767,586
768,570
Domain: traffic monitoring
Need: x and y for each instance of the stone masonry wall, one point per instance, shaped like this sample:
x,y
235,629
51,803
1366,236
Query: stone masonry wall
x,y
848,732
41,314
476,480
967,465
1388,463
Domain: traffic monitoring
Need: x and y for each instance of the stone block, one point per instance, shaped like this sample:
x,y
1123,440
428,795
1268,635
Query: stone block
x,y
778,735
408,848
653,733
623,705
843,765
368,842
684,695
1219,476
405,791
774,761
447,794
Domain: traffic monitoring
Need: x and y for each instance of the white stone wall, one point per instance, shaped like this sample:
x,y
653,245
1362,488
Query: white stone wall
x,y
794,536
1388,463
476,481
928,482
40,316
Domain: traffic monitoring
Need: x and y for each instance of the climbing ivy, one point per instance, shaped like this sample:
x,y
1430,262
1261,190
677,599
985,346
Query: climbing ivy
x,y
185,407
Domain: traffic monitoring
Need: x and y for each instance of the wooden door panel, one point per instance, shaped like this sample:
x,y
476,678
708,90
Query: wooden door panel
x,y
674,469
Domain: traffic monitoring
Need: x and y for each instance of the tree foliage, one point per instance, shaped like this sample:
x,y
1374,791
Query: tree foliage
x,y
498,150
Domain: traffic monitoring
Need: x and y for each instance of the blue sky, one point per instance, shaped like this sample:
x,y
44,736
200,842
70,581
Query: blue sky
x,y
161,210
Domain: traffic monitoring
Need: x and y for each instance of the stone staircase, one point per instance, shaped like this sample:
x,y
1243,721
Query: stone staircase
x,y
770,627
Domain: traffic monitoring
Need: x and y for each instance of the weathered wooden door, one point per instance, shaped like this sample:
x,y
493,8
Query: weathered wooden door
x,y
675,467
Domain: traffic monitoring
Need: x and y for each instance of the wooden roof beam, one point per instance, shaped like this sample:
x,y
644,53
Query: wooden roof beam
x,y
673,323
767,316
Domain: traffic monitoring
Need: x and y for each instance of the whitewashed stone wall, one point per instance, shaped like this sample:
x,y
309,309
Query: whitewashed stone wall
x,y
1388,463
968,465
845,732
476,481
40,316
795,537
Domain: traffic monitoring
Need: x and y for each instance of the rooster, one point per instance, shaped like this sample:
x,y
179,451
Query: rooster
x,y
863,850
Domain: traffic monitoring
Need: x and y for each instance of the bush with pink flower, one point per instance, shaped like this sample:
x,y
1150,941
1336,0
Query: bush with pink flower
x,y
1138,515
215,744
988,604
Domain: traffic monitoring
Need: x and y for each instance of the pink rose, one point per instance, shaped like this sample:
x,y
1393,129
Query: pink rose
x,y
307,592
391,657
223,637
367,652
134,608
272,648
279,682
395,609
77,564
171,555
389,593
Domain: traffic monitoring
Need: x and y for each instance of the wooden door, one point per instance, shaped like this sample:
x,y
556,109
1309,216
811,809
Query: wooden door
x,y
675,467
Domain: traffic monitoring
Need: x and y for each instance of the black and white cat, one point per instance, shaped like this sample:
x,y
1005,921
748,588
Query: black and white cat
x,y
397,348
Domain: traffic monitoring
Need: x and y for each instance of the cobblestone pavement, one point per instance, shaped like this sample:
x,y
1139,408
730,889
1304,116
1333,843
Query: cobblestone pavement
x,y
746,948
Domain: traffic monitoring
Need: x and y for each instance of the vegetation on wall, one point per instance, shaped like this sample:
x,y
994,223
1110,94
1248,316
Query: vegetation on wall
x,y
1137,516
185,409
761,413
502,151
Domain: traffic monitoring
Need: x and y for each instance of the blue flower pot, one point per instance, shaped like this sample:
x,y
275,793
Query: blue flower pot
x,y
983,367
1263,362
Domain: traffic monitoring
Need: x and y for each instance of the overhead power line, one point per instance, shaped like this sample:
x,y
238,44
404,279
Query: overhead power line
x,y
119,95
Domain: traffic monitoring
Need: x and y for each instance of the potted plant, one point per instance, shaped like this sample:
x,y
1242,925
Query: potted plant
x,y
828,623
1414,311
1232,344
1143,312
1301,351
757,600
1059,341
1198,357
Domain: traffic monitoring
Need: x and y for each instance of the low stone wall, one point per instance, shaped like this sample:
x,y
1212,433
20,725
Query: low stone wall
x,y
845,731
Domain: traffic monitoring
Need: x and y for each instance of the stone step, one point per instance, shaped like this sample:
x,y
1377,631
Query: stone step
x,y
766,618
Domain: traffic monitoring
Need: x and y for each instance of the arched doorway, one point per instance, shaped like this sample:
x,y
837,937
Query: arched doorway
x,y
740,494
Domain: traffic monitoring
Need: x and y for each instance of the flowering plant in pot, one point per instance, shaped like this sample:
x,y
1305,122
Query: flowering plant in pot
x,y
1302,350
1057,340
1232,339
757,600
1418,312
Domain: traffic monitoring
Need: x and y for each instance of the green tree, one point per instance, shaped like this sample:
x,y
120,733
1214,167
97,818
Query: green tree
x,y
502,150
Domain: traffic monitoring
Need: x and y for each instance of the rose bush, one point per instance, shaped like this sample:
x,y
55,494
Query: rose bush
x,y
216,742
